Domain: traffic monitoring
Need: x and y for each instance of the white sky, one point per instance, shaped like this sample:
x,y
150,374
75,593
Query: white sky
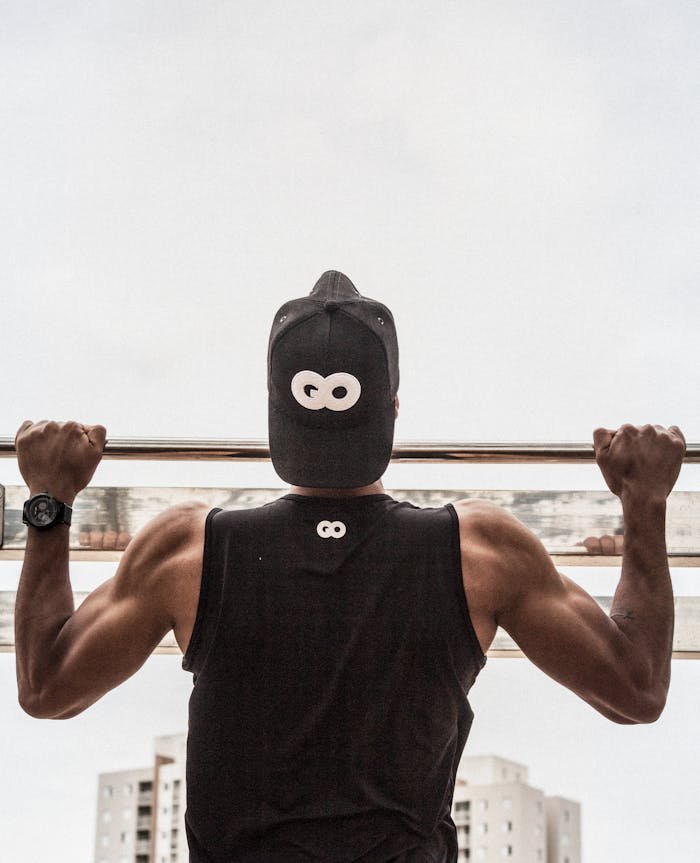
x,y
518,182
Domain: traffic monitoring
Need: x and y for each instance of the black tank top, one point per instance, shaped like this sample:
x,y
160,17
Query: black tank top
x,y
332,655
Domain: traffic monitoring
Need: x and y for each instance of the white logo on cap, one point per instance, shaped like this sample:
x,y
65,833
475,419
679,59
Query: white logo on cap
x,y
328,529
315,392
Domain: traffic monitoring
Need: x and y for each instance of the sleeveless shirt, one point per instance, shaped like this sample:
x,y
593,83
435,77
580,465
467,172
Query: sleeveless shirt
x,y
332,655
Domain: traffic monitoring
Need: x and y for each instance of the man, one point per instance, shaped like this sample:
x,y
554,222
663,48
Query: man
x,y
334,634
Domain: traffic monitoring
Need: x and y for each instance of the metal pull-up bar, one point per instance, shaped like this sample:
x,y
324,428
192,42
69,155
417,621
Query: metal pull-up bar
x,y
206,449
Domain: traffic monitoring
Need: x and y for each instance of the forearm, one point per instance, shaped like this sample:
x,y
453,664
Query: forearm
x,y
643,603
44,603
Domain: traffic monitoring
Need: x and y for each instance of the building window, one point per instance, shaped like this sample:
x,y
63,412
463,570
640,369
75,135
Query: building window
x,y
483,805
483,828
106,816
565,840
507,803
107,791
143,834
567,816
462,805
145,786
128,789
126,814
538,805
507,851
539,854
507,827
104,840
480,853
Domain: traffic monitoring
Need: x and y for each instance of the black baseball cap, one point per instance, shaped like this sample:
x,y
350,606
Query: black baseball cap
x,y
333,374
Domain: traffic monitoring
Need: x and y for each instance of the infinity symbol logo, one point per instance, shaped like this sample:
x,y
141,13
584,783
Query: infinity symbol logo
x,y
337,392
328,529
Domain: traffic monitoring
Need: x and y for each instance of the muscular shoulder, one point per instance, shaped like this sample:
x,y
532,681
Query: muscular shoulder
x,y
165,556
494,530
174,533
501,557
161,569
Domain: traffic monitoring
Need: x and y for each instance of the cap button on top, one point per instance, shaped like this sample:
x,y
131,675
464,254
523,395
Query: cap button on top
x,y
331,305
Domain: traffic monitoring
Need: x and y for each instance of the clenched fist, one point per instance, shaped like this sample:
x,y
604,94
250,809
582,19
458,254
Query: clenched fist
x,y
58,458
640,460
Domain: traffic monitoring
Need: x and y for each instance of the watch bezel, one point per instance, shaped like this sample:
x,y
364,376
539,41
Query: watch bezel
x,y
62,515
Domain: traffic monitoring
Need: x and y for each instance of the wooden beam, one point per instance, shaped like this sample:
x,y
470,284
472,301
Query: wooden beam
x,y
686,639
105,518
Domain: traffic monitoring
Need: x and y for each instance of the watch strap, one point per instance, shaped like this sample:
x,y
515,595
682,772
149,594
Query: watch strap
x,y
65,513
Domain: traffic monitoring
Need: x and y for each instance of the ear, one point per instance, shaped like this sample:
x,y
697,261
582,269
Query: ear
x,y
396,406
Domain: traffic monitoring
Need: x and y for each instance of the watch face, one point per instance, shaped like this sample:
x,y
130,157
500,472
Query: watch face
x,y
42,511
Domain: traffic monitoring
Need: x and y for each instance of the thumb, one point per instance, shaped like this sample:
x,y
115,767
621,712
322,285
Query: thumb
x,y
97,435
677,432
25,425
602,438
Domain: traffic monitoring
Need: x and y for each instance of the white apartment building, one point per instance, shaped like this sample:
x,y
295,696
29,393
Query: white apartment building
x,y
140,813
499,817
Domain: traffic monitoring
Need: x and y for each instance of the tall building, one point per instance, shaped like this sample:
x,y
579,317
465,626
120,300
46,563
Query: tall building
x,y
140,813
499,817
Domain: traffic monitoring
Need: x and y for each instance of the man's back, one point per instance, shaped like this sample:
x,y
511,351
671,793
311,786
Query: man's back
x,y
333,653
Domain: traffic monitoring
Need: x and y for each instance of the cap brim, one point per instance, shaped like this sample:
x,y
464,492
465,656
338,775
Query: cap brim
x,y
320,458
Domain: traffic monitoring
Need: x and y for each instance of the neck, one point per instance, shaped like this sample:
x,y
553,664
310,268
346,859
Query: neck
x,y
375,488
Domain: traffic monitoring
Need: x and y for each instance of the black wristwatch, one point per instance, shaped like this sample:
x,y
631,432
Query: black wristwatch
x,y
43,511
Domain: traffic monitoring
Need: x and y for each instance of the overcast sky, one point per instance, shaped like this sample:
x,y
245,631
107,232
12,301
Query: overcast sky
x,y
518,182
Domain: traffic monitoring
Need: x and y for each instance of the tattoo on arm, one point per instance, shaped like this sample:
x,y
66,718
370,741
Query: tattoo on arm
x,y
625,614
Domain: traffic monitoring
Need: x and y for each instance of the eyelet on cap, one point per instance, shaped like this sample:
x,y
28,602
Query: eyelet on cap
x,y
381,321
282,319
330,306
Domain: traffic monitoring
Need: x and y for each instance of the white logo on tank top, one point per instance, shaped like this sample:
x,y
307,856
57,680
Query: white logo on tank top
x,y
330,529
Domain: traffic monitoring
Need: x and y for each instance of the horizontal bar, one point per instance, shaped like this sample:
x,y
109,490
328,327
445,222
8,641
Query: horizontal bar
x,y
686,636
203,449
